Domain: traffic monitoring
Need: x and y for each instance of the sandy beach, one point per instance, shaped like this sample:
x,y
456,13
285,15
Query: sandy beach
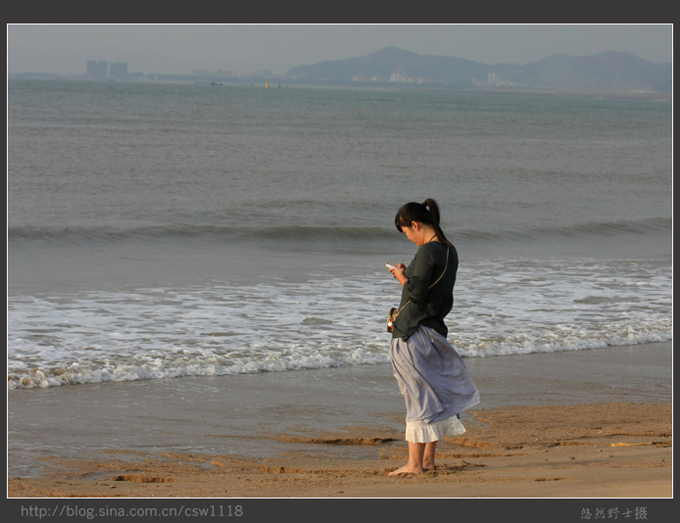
x,y
591,450
590,424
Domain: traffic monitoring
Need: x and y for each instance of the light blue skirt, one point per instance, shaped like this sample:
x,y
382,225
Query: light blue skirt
x,y
435,383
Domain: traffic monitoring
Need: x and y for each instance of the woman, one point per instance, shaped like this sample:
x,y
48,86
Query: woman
x,y
432,377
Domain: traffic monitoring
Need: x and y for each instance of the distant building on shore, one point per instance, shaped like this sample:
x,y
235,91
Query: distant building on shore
x,y
102,69
98,68
398,76
118,70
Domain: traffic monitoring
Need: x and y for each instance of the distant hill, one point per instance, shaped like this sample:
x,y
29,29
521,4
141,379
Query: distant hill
x,y
380,66
608,71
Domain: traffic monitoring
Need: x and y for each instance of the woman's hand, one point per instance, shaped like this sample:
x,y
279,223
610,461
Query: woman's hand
x,y
398,273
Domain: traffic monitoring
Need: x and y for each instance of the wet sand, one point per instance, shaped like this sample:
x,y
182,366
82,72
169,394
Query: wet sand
x,y
591,424
594,450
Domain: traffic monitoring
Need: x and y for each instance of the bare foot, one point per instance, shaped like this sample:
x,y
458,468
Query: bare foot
x,y
406,469
428,466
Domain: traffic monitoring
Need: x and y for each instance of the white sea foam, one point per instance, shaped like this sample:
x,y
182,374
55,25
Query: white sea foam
x,y
506,307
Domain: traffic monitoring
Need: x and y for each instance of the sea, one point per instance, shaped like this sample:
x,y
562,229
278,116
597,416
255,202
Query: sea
x,y
175,230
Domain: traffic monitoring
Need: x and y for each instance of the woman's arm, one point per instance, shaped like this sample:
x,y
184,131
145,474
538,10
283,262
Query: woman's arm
x,y
421,269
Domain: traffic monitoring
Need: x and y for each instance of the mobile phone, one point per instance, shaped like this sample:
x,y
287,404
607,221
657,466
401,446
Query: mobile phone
x,y
390,266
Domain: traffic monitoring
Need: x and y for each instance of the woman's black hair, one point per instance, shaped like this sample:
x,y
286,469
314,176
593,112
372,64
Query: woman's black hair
x,y
426,212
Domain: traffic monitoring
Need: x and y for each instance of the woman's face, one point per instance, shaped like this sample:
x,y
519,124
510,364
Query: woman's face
x,y
413,233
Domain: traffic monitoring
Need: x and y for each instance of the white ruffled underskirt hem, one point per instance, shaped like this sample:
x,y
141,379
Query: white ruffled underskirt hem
x,y
422,432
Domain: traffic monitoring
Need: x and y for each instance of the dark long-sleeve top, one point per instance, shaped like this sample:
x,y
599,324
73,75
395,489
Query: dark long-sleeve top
x,y
428,306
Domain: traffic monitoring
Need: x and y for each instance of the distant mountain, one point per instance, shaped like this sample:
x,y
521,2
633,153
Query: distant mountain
x,y
388,63
609,71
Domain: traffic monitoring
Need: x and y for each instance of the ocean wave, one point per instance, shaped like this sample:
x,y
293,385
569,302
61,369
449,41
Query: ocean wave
x,y
506,306
182,363
578,230
103,234
76,235
642,226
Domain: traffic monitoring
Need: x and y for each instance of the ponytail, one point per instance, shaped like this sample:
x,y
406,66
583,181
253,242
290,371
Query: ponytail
x,y
434,213
426,212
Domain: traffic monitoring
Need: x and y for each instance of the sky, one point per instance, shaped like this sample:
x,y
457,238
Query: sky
x,y
185,49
